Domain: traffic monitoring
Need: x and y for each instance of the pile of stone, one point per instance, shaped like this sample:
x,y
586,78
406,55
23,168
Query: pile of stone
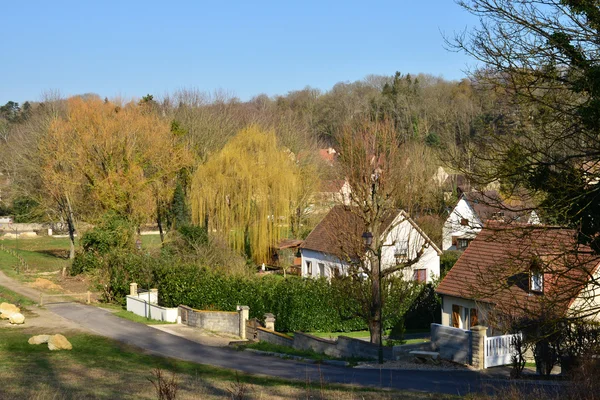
x,y
55,342
12,313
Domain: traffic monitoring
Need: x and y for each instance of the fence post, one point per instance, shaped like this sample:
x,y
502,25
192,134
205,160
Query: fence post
x,y
41,299
479,334
133,289
89,297
243,312
270,321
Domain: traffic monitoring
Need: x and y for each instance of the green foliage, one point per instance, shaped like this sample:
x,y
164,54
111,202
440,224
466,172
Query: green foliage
x,y
194,235
25,209
113,232
447,261
425,310
180,213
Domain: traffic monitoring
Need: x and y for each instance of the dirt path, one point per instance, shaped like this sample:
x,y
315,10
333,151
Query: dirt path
x,y
38,319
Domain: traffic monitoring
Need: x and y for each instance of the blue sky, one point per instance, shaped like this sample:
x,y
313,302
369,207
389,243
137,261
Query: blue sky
x,y
131,48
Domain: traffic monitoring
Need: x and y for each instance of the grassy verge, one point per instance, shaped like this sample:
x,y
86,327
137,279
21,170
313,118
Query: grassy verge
x,y
103,369
8,296
136,318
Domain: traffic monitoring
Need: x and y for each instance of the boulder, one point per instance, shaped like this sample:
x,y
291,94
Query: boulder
x,y
59,342
6,315
7,308
17,319
38,339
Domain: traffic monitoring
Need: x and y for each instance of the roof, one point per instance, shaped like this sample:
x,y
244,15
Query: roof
x,y
328,155
495,267
340,232
289,244
489,203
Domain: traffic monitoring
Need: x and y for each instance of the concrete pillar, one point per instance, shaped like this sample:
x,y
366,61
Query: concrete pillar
x,y
479,333
154,296
133,290
243,313
270,321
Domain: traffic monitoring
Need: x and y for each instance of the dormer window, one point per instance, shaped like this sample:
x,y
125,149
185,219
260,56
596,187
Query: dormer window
x,y
536,277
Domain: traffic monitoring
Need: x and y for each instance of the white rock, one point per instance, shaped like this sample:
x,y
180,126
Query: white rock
x,y
38,339
17,319
7,308
59,342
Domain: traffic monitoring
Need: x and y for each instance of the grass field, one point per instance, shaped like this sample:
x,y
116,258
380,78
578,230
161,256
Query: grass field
x,y
98,368
8,296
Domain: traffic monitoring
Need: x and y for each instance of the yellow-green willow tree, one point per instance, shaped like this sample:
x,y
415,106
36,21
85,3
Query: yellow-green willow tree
x,y
246,192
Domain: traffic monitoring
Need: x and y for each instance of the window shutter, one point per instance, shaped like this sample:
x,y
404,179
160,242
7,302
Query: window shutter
x,y
474,319
455,316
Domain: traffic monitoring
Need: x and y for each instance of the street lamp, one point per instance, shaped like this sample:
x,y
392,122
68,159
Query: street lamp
x,y
368,241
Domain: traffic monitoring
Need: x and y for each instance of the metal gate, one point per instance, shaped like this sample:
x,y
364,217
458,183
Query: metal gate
x,y
499,350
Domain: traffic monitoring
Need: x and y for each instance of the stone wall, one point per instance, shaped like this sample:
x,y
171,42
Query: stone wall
x,y
304,341
452,343
265,335
351,347
219,321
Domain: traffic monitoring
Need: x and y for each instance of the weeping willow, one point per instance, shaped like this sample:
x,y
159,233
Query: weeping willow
x,y
246,192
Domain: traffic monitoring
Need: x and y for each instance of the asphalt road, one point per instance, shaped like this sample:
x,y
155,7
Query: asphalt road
x,y
161,343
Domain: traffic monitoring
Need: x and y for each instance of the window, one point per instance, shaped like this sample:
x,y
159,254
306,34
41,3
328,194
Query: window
x,y
420,275
401,251
474,321
462,244
455,316
464,222
309,268
536,281
321,270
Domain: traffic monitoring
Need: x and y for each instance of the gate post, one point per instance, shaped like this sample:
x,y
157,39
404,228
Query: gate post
x,y
243,312
479,334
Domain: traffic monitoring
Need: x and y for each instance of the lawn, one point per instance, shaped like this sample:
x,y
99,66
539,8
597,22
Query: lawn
x,y
8,296
137,318
100,368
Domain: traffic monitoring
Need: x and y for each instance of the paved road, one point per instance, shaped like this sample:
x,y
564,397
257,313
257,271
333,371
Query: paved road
x,y
157,342
103,323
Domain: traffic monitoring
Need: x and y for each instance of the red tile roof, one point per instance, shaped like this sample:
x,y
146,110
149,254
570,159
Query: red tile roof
x,y
332,186
495,267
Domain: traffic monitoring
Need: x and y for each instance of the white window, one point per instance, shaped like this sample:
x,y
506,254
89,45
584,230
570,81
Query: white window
x,y
537,281
401,251
321,270
309,268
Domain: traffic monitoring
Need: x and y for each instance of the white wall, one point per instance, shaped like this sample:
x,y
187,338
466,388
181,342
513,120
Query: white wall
x,y
329,261
453,227
587,303
482,312
141,307
402,231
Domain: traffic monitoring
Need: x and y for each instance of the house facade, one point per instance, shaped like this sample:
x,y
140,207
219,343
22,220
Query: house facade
x,y
470,213
330,247
522,271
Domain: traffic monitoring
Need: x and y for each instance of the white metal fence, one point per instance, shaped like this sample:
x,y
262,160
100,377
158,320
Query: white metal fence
x,y
499,350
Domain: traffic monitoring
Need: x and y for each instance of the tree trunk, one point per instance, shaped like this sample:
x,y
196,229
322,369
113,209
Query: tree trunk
x,y
159,221
375,317
71,226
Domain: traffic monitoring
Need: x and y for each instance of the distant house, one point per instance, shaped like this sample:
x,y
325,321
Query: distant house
x,y
513,271
6,220
328,155
337,239
286,256
470,213
333,192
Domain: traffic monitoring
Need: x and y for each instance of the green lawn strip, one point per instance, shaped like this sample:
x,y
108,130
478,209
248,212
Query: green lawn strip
x,y
8,296
334,335
102,354
137,318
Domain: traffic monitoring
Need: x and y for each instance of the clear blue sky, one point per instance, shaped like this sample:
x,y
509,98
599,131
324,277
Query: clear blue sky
x,y
131,48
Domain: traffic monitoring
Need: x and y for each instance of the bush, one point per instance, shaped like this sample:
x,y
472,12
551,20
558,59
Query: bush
x,y
113,232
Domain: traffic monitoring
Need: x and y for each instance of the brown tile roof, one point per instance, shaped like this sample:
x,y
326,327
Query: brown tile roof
x,y
340,232
289,243
495,267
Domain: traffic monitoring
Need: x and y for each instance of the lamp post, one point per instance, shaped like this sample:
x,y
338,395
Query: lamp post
x,y
368,242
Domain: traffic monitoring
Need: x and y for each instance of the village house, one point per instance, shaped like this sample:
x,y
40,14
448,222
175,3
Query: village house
x,y
513,271
337,240
467,218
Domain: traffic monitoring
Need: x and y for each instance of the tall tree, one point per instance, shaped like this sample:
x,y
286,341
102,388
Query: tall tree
x,y
246,192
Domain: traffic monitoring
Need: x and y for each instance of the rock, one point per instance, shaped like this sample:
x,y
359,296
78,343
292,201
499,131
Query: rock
x,y
59,342
38,339
7,308
6,315
17,319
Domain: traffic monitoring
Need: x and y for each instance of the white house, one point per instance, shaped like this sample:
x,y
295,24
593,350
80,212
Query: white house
x,y
338,239
472,210
520,271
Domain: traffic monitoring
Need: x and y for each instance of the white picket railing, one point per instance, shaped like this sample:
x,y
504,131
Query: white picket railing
x,y
499,350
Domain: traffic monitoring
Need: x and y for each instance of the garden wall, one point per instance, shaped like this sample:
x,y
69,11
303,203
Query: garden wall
x,y
452,343
220,321
140,306
265,335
